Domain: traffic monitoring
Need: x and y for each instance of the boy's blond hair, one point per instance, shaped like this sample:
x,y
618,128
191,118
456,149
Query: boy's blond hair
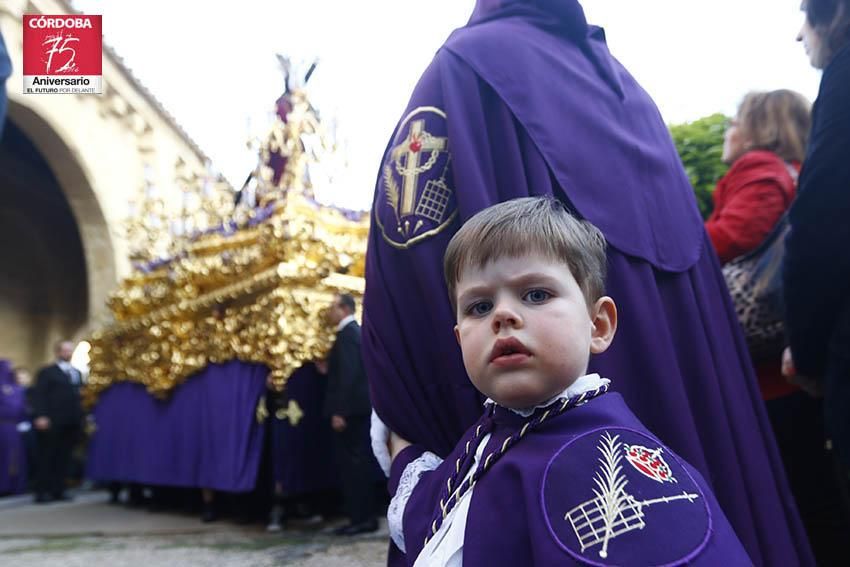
x,y
521,227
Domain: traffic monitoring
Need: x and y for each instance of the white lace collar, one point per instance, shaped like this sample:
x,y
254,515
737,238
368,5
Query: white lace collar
x,y
582,384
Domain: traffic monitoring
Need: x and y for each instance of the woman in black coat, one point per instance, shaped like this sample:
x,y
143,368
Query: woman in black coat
x,y
816,271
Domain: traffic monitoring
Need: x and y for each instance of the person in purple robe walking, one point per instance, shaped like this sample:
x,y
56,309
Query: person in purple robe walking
x,y
13,469
527,100
557,471
302,447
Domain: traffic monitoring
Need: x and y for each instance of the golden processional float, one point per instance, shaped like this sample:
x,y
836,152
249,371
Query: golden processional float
x,y
243,278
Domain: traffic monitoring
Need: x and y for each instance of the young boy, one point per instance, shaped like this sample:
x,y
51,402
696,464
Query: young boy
x,y
557,471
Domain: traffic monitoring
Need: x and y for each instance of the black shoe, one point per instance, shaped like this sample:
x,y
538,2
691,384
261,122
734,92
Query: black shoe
x,y
62,497
41,499
209,514
354,529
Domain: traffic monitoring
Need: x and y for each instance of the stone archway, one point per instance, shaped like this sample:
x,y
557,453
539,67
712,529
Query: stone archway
x,y
56,252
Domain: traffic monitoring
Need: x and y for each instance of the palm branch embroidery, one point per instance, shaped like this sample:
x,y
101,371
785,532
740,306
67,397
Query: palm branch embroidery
x,y
612,511
392,189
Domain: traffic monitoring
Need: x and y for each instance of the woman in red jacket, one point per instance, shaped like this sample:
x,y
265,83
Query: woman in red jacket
x,y
765,145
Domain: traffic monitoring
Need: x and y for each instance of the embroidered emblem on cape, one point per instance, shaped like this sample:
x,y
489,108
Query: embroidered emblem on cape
x,y
649,462
415,198
7,390
606,504
293,413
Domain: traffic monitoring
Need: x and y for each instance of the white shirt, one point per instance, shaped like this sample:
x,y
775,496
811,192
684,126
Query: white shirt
x,y
446,547
72,372
341,325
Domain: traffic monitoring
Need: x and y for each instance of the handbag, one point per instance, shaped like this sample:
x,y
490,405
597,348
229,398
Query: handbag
x,y
755,284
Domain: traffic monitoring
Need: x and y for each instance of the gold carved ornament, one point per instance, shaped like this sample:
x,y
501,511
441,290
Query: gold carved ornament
x,y
257,294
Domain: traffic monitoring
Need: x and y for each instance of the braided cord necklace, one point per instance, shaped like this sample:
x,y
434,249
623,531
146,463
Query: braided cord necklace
x,y
450,497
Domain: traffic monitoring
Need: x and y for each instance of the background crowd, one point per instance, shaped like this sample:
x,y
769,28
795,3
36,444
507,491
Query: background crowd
x,y
316,461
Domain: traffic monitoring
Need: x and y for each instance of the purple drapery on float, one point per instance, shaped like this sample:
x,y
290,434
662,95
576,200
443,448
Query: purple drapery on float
x,y
526,100
302,442
13,465
205,435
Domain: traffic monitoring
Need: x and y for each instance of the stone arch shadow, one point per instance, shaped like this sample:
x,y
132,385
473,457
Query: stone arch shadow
x,y
49,183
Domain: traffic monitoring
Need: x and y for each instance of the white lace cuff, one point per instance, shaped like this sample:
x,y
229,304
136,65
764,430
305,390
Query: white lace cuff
x,y
409,479
380,436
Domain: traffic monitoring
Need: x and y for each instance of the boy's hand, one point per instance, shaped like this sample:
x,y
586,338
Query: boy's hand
x,y
397,444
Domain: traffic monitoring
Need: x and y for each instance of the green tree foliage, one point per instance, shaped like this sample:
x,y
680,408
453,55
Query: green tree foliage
x,y
700,145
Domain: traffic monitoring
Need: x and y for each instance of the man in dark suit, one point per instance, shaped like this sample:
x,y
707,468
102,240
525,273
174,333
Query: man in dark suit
x,y
57,420
348,407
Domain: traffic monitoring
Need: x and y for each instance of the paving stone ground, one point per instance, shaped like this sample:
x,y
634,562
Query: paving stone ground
x,y
89,532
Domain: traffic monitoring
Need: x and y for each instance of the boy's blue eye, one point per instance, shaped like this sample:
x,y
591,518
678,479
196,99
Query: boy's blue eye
x,y
480,308
537,295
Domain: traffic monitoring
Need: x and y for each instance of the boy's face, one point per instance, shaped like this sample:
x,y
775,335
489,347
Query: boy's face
x,y
525,329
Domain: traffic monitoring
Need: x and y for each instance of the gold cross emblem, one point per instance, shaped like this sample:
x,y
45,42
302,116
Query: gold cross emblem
x,y
293,413
417,142
418,200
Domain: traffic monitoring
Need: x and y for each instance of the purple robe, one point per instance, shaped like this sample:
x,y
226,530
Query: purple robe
x,y
13,464
526,100
302,443
545,502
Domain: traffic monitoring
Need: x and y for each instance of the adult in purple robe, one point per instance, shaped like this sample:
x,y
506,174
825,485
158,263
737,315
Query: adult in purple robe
x,y
13,471
589,486
302,439
526,100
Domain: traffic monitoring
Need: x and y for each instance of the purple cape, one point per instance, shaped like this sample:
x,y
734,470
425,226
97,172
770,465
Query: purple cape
x,y
590,486
526,100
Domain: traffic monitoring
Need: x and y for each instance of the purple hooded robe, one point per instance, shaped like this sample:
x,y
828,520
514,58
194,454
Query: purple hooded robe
x,y
526,100
302,439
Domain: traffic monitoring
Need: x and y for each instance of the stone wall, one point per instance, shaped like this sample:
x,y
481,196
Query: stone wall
x,y
100,150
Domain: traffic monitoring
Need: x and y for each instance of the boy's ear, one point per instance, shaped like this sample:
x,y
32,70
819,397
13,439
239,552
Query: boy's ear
x,y
457,336
604,319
